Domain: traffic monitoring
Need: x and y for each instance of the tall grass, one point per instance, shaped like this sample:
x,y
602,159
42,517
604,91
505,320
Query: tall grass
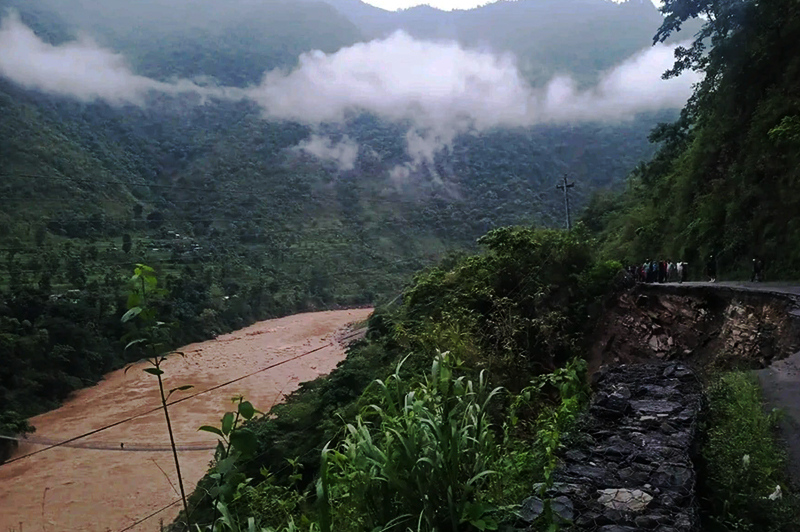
x,y
418,459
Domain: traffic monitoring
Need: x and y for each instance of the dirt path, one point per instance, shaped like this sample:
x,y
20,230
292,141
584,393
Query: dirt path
x,y
74,489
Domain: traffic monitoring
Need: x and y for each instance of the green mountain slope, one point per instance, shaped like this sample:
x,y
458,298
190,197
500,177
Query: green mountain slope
x,y
239,223
725,179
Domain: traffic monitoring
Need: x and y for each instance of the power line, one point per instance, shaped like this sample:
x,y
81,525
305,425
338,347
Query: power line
x,y
142,520
244,464
227,192
293,275
108,446
156,409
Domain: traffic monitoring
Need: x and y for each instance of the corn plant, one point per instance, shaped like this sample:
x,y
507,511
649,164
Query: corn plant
x,y
418,459
151,336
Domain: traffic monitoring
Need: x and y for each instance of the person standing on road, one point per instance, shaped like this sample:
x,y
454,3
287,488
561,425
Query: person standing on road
x,y
711,269
758,271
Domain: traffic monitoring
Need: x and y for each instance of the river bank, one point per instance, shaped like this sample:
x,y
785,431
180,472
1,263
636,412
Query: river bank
x,y
96,490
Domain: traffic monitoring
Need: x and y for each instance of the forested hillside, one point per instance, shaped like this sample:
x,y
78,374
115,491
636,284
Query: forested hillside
x,y
581,37
725,180
240,220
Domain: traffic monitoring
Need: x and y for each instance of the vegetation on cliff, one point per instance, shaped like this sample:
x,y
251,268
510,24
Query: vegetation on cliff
x,y
517,311
743,484
724,180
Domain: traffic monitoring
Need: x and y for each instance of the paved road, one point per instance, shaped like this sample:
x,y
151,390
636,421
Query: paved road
x,y
780,382
771,288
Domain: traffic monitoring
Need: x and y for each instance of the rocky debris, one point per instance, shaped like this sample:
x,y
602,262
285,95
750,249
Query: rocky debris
x,y
714,327
631,468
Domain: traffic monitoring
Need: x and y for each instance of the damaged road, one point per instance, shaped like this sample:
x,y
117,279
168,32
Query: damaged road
x,y
713,326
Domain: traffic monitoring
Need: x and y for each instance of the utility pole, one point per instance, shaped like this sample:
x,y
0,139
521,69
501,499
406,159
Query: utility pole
x,y
565,187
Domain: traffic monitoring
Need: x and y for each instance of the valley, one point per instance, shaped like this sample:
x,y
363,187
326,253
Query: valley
x,y
246,181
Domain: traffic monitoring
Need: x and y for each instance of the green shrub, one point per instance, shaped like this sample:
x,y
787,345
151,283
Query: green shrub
x,y
742,462
420,458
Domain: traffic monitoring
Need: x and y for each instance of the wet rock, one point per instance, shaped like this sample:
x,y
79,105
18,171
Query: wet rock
x,y
587,472
563,508
531,508
672,476
590,519
649,521
649,406
615,403
629,467
625,500
666,428
575,455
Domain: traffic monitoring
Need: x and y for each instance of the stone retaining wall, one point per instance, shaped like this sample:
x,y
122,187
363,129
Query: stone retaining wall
x,y
631,468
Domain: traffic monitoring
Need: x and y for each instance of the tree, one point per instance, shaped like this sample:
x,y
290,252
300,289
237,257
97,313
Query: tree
x,y
76,274
41,235
155,219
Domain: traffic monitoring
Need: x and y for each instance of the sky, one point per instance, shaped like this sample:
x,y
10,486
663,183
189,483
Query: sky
x,y
447,5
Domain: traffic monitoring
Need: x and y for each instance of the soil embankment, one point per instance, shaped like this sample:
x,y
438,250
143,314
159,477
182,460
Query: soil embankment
x,y
79,489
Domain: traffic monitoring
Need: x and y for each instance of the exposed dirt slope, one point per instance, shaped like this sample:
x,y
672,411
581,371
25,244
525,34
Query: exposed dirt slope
x,y
709,326
68,489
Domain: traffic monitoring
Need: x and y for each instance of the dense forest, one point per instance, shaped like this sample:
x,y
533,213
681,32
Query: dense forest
x,y
724,181
239,224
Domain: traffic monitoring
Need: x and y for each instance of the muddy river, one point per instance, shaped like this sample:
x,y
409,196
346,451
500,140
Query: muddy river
x,y
121,481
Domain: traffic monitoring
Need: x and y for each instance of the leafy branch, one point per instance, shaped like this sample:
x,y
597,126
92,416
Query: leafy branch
x,y
151,336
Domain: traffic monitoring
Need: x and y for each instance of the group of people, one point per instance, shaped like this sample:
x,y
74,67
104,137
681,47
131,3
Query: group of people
x,y
661,271
666,271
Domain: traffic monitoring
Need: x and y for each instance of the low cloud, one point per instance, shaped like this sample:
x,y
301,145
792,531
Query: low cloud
x,y
80,69
437,90
442,90
343,153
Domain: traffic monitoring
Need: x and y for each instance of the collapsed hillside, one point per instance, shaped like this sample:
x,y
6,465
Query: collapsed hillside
x,y
706,326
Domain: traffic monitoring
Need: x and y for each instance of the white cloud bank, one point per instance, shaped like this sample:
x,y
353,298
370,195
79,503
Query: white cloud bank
x,y
437,89
80,69
443,90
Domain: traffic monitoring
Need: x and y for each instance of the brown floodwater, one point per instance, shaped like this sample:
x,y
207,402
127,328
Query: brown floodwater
x,y
98,490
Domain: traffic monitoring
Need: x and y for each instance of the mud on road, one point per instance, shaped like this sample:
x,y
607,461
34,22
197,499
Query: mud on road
x,y
99,490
